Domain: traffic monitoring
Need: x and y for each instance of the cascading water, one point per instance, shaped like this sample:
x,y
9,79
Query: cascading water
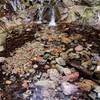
x,y
16,4
52,21
40,12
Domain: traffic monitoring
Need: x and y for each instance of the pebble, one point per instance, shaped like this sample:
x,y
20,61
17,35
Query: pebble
x,y
78,48
8,82
53,74
35,66
60,61
46,84
68,89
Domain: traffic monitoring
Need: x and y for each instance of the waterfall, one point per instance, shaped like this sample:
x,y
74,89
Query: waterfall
x,y
52,21
13,4
40,12
16,4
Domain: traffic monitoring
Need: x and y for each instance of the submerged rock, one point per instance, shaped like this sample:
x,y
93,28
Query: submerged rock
x,y
69,89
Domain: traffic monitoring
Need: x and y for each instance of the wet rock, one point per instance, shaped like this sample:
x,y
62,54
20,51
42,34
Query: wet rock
x,y
35,66
69,89
63,70
86,85
25,84
97,68
78,48
53,74
8,82
47,67
97,90
60,61
67,71
32,71
2,59
46,84
27,94
73,77
97,72
46,56
99,95
93,95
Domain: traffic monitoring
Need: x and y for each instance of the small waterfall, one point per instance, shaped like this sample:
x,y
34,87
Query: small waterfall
x,y
40,12
13,4
53,19
16,4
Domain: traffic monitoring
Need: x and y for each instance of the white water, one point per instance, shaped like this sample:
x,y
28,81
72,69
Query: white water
x,y
53,19
40,13
16,4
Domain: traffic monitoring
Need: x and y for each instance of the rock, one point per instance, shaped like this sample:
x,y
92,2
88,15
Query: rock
x,y
63,70
67,71
97,89
35,66
8,82
46,84
2,59
1,48
97,69
46,56
25,84
93,95
32,71
27,94
98,95
60,61
53,74
86,85
78,48
97,72
72,77
47,67
69,89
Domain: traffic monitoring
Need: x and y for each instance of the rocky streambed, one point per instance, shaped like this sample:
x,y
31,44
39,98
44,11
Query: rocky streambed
x,y
53,65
